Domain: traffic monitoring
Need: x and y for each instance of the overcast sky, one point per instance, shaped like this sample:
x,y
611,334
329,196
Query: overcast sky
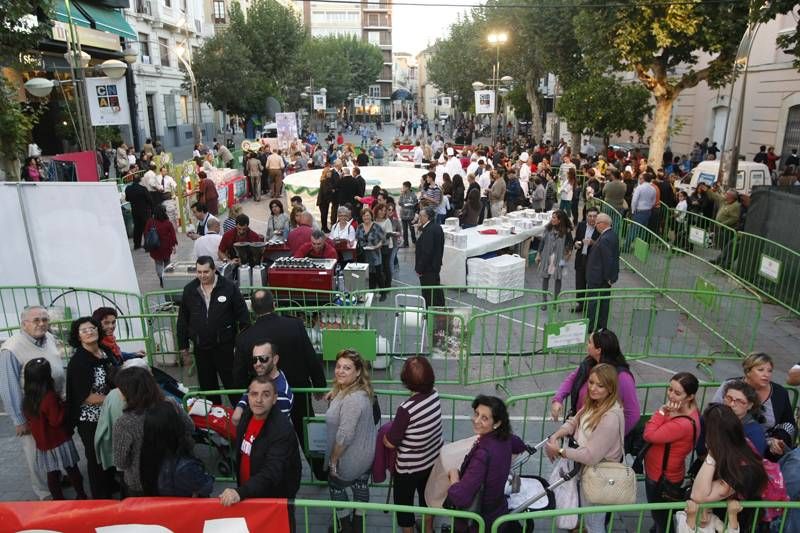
x,y
415,27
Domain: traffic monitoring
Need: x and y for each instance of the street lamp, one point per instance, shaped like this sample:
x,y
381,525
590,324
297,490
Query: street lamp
x,y
496,38
308,92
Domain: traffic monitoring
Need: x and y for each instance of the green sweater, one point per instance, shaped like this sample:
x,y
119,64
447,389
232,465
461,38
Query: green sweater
x,y
109,413
728,214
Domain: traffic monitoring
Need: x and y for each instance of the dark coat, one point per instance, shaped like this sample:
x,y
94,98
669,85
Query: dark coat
x,y
348,189
274,458
80,372
298,360
227,315
602,265
429,249
580,234
141,202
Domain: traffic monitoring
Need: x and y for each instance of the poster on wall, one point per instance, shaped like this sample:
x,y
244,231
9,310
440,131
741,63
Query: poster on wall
x,y
319,102
446,101
484,102
108,101
287,129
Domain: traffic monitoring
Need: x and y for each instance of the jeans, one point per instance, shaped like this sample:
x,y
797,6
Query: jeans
x,y
408,224
659,517
641,217
594,522
393,260
160,265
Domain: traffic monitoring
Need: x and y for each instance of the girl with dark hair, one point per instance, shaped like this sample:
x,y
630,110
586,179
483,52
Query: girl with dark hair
x,y
488,463
555,249
746,405
167,239
457,196
45,414
603,347
169,468
278,221
672,432
597,428
470,214
731,470
90,375
140,391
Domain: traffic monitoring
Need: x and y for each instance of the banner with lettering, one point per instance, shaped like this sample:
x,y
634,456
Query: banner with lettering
x,y
146,515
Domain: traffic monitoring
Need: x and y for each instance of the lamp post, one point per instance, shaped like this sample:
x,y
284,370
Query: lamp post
x,y
496,38
309,92
184,56
502,91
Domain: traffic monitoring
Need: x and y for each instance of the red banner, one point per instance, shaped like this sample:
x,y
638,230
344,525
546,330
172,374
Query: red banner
x,y
146,515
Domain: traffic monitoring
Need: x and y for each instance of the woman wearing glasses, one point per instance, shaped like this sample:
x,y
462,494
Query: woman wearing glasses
x,y
743,401
90,375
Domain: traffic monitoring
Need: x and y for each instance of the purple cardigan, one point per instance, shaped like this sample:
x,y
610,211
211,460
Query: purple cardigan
x,y
626,392
489,460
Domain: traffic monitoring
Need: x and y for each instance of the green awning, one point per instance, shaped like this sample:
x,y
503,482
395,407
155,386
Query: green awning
x,y
60,14
108,20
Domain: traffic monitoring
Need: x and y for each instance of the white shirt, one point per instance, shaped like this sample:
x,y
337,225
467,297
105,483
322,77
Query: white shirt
x,y
208,244
586,240
524,177
472,167
484,181
149,180
168,184
417,155
453,167
347,233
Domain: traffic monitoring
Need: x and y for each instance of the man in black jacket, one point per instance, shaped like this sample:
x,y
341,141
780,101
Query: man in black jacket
x,y
584,235
141,204
267,458
298,362
211,313
428,259
602,270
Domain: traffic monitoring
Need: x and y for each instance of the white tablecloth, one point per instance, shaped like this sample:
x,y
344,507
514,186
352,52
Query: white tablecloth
x,y
454,261
390,178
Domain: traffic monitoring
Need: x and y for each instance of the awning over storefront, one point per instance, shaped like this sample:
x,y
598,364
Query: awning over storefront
x,y
106,19
60,12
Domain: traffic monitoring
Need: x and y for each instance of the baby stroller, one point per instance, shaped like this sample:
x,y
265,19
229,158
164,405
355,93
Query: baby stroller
x,y
532,493
212,423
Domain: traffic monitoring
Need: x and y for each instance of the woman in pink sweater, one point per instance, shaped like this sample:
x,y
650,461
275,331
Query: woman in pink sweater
x,y
597,428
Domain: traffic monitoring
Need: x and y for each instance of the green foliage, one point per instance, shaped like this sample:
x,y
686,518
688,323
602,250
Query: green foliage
x,y
16,122
23,23
341,64
108,134
604,106
238,68
223,59
517,98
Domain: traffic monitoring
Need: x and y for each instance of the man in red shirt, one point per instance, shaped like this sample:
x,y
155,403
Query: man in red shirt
x,y
302,233
318,247
241,233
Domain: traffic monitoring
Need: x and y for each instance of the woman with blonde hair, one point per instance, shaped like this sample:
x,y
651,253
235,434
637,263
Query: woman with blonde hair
x,y
351,433
598,429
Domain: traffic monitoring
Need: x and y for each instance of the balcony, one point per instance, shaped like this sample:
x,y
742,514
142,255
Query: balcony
x,y
376,21
144,7
375,6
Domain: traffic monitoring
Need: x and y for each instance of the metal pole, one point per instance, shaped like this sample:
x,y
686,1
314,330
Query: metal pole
x,y
495,75
85,133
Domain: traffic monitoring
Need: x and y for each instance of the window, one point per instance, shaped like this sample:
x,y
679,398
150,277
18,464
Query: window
x,y
219,12
374,37
144,49
163,46
169,110
375,91
791,136
184,106
167,3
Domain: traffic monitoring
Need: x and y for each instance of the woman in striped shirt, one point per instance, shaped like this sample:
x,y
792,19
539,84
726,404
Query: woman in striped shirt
x,y
416,434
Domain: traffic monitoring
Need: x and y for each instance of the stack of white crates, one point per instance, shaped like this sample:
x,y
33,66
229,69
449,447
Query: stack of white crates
x,y
506,271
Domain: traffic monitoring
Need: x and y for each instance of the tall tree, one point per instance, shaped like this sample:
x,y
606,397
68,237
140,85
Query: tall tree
x,y
602,105
23,24
669,46
223,58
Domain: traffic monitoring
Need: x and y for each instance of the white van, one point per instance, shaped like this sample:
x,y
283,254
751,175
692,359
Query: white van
x,y
748,175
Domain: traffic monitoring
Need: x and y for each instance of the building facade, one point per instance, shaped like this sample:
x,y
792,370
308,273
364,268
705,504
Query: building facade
x,y
370,21
430,101
169,32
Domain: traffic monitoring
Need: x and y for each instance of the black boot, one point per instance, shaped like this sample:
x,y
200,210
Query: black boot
x,y
358,523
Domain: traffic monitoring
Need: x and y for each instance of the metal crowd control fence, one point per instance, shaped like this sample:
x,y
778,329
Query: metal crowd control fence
x,y
316,515
636,518
770,268
65,304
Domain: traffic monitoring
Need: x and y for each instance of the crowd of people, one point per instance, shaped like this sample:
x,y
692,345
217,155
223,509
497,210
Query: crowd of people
x,y
742,440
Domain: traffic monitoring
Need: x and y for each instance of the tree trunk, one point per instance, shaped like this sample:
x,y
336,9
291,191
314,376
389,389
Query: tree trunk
x,y
658,140
9,169
536,113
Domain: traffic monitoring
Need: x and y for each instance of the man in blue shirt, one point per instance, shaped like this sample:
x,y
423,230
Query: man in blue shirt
x,y
378,152
644,199
265,363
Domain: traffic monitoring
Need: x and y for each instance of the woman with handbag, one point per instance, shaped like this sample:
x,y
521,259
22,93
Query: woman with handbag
x,y
555,248
478,486
670,435
731,470
602,347
598,430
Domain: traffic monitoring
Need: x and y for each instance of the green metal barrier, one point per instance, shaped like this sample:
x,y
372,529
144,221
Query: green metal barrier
x,y
770,268
635,518
704,237
316,515
645,253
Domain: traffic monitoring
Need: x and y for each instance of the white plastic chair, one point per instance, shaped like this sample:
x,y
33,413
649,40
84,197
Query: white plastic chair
x,y
412,316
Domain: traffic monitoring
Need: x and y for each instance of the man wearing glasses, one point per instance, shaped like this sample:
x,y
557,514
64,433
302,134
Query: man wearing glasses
x,y
34,340
265,363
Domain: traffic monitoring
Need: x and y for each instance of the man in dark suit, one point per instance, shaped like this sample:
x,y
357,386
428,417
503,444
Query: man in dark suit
x,y
298,362
584,235
428,260
602,271
141,205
